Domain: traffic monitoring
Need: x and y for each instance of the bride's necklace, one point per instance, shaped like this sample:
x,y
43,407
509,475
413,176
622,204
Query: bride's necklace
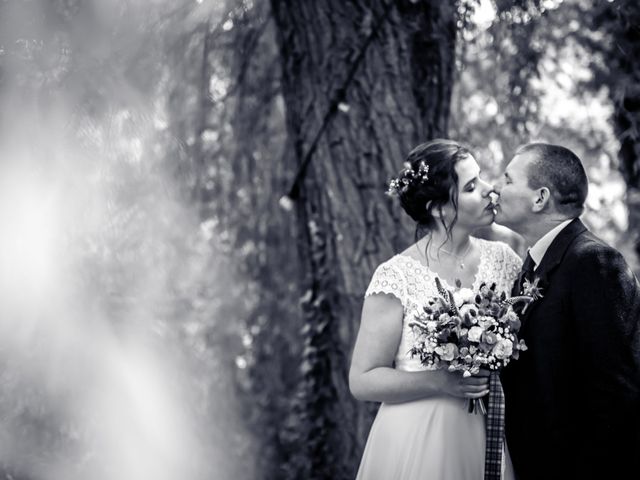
x,y
459,258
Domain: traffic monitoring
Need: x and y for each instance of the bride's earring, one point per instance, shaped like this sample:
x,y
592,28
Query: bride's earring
x,y
443,214
428,205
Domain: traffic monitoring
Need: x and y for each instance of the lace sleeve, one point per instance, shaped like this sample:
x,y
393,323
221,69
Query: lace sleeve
x,y
388,279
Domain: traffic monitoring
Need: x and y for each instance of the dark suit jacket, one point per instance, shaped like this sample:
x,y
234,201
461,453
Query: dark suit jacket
x,y
573,398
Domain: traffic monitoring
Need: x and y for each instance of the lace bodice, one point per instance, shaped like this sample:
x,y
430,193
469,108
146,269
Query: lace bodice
x,y
413,283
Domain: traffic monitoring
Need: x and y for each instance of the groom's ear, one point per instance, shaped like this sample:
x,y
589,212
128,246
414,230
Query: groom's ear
x,y
541,200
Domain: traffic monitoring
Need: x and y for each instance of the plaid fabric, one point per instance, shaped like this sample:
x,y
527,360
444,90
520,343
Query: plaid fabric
x,y
495,429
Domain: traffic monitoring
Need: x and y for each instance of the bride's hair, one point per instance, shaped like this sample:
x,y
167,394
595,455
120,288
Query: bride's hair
x,y
423,200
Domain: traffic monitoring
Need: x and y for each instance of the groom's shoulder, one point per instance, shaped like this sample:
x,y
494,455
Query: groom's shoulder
x,y
589,249
595,264
587,244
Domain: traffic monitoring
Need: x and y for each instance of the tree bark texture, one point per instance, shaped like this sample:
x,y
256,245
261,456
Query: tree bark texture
x,y
363,82
621,19
626,118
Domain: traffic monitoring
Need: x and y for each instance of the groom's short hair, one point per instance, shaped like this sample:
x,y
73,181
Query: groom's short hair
x,y
561,171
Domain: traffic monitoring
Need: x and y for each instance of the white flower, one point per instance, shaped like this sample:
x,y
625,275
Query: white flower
x,y
511,316
421,337
431,325
447,352
462,296
475,369
475,333
503,349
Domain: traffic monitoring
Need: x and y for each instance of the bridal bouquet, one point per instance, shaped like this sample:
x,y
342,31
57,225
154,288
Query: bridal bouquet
x,y
465,331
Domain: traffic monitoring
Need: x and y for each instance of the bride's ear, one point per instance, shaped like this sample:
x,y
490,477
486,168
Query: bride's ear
x,y
541,200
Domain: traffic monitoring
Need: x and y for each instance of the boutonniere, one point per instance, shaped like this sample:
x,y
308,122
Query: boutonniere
x,y
532,290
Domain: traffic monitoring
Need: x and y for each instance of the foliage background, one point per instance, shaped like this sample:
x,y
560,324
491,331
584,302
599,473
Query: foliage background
x,y
153,286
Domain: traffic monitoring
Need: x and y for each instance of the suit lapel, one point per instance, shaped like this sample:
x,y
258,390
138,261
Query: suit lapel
x,y
552,259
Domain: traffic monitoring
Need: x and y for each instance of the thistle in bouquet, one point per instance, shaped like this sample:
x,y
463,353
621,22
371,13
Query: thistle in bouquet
x,y
466,331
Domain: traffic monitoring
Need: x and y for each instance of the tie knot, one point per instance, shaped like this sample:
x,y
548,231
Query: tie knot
x,y
528,264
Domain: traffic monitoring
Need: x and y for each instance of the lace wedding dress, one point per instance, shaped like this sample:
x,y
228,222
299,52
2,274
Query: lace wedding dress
x,y
433,438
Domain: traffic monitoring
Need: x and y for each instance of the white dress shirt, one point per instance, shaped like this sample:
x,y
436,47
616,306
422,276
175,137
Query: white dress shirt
x,y
541,246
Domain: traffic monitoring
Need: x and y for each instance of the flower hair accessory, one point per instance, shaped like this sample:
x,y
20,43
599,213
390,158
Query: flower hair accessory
x,y
408,177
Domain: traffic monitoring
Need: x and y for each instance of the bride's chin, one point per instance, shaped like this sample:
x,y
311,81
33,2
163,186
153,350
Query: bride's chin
x,y
483,222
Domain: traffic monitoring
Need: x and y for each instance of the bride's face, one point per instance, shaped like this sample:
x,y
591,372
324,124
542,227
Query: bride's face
x,y
474,204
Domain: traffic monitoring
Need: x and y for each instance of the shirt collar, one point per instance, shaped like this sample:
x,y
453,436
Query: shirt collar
x,y
541,246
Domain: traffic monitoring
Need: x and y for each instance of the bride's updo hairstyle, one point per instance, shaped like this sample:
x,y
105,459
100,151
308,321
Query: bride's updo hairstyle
x,y
428,183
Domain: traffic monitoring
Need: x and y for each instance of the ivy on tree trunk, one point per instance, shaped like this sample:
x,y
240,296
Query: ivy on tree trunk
x,y
363,82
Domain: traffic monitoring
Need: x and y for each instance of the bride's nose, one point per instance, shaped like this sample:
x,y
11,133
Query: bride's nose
x,y
485,188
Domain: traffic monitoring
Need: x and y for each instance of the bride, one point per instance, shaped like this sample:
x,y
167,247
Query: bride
x,y
422,429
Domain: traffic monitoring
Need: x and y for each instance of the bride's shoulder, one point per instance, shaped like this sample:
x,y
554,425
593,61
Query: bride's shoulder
x,y
387,265
406,264
399,262
389,277
499,249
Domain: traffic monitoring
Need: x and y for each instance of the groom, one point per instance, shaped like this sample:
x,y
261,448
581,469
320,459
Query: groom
x,y
573,398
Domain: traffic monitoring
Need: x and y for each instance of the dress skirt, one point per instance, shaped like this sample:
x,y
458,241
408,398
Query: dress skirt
x,y
428,439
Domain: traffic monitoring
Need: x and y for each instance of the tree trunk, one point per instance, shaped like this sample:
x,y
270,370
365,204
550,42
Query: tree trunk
x,y
363,83
622,53
626,118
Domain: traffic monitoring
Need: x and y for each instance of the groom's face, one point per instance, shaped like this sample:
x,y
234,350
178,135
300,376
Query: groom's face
x,y
515,205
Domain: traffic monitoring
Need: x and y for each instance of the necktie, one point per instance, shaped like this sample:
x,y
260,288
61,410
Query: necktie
x,y
494,429
526,273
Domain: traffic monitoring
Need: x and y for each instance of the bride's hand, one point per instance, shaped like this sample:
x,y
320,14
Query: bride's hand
x,y
476,386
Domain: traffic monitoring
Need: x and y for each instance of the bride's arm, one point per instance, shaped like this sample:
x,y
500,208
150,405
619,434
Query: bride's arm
x,y
372,376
